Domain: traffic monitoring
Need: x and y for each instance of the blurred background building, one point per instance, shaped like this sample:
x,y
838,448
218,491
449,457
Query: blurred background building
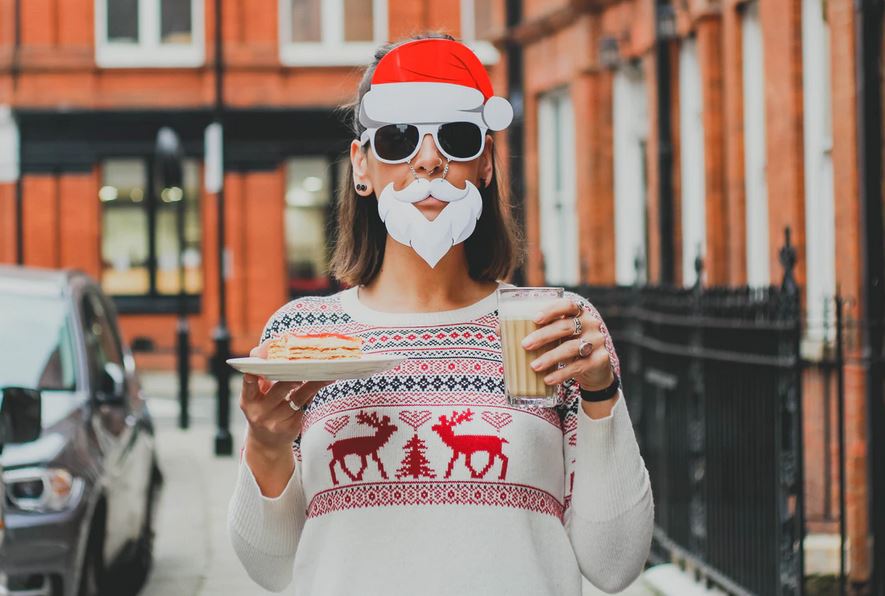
x,y
646,134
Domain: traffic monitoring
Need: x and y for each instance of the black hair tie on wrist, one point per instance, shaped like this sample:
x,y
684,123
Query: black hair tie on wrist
x,y
602,394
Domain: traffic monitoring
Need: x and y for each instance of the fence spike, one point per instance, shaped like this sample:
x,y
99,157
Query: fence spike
x,y
788,262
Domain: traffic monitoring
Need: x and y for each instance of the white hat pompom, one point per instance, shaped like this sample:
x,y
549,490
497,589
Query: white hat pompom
x,y
497,113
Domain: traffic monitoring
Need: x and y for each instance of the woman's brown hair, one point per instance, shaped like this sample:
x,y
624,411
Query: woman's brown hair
x,y
492,249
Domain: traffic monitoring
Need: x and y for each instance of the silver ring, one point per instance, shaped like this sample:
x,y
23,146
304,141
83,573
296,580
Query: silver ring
x,y
292,405
579,326
583,343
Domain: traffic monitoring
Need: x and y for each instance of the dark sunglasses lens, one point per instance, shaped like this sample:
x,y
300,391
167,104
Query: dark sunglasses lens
x,y
395,141
460,139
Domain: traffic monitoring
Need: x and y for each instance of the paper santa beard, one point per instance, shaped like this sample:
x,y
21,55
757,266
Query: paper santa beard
x,y
432,81
430,239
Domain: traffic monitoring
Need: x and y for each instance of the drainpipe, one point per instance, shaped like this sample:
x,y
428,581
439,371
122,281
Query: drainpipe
x,y
664,32
516,136
869,128
221,333
868,23
15,68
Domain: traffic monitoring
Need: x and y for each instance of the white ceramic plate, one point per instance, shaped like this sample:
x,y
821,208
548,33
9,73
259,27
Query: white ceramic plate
x,y
316,370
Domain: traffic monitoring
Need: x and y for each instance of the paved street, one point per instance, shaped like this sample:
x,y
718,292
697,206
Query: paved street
x,y
193,555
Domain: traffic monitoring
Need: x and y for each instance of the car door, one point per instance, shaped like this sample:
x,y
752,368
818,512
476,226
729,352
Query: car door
x,y
115,426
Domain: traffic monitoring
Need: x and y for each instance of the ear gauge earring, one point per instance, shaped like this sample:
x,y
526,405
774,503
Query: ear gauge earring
x,y
361,187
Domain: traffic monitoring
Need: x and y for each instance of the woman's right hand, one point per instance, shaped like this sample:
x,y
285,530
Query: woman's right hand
x,y
273,425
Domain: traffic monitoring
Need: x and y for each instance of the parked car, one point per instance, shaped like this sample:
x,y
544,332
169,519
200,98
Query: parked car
x,y
80,499
19,423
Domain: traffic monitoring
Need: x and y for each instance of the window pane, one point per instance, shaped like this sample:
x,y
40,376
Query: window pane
x,y
176,26
482,18
167,244
123,20
358,21
308,206
124,237
36,350
306,22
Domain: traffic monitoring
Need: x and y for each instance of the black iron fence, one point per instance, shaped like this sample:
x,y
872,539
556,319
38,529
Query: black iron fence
x,y
714,379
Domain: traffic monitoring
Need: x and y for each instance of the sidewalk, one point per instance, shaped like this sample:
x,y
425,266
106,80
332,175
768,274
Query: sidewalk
x,y
193,555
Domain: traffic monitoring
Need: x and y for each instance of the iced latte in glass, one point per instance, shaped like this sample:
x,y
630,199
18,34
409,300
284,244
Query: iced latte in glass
x,y
517,308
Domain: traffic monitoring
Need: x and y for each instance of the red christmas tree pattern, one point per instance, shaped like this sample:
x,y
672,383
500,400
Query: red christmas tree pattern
x,y
415,464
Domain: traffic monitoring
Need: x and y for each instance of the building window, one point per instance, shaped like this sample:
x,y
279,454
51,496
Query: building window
x,y
478,24
558,206
754,148
691,133
331,32
630,107
149,33
139,242
310,196
820,246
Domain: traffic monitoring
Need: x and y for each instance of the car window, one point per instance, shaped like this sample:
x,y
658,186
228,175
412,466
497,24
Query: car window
x,y
102,344
36,343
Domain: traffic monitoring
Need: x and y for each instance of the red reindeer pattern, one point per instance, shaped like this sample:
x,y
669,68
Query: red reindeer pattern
x,y
362,446
470,444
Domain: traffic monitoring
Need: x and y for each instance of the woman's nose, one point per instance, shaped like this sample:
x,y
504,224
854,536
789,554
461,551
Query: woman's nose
x,y
428,158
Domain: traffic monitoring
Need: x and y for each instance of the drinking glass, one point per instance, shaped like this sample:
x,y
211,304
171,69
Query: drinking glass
x,y
517,308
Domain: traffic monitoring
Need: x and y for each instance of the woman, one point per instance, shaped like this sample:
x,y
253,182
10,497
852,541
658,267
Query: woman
x,y
457,492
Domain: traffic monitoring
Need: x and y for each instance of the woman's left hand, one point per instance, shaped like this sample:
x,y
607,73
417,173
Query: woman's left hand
x,y
585,353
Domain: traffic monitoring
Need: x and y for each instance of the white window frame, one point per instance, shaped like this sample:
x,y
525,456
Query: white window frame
x,y
9,146
149,52
691,136
332,50
484,49
820,248
630,136
557,202
755,158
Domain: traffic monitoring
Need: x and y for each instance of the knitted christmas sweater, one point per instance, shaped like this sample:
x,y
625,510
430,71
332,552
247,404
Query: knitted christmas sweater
x,y
423,480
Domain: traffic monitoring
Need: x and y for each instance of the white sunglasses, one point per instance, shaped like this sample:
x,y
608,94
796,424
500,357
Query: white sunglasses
x,y
399,143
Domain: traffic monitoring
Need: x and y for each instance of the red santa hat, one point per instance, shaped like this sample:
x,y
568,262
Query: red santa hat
x,y
433,80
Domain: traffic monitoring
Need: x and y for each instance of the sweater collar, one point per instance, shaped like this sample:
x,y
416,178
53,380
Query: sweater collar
x,y
357,311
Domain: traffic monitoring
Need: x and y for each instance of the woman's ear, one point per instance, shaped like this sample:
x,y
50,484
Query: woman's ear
x,y
486,167
359,159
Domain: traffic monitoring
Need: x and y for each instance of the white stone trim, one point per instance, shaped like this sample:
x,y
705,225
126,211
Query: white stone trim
x,y
558,191
630,120
484,50
332,50
820,231
691,135
149,52
755,159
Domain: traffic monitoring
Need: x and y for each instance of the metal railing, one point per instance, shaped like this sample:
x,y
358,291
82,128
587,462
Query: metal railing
x,y
714,379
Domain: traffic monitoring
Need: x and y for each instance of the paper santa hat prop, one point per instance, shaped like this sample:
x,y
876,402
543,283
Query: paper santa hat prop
x,y
433,80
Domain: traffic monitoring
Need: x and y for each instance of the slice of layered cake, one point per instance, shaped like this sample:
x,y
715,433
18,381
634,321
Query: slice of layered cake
x,y
314,346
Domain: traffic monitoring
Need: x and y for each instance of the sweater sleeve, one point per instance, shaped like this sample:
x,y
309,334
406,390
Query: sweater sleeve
x,y
609,513
265,531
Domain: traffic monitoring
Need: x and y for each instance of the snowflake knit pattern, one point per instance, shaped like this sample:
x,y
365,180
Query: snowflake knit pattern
x,y
435,440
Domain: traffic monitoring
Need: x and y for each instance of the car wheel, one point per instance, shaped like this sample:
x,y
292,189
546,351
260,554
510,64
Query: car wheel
x,y
131,576
92,572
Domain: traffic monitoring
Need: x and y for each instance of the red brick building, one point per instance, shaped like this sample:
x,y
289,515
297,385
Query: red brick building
x,y
763,119
86,84
764,128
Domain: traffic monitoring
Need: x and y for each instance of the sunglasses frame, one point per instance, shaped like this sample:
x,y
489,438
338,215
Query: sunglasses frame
x,y
431,128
